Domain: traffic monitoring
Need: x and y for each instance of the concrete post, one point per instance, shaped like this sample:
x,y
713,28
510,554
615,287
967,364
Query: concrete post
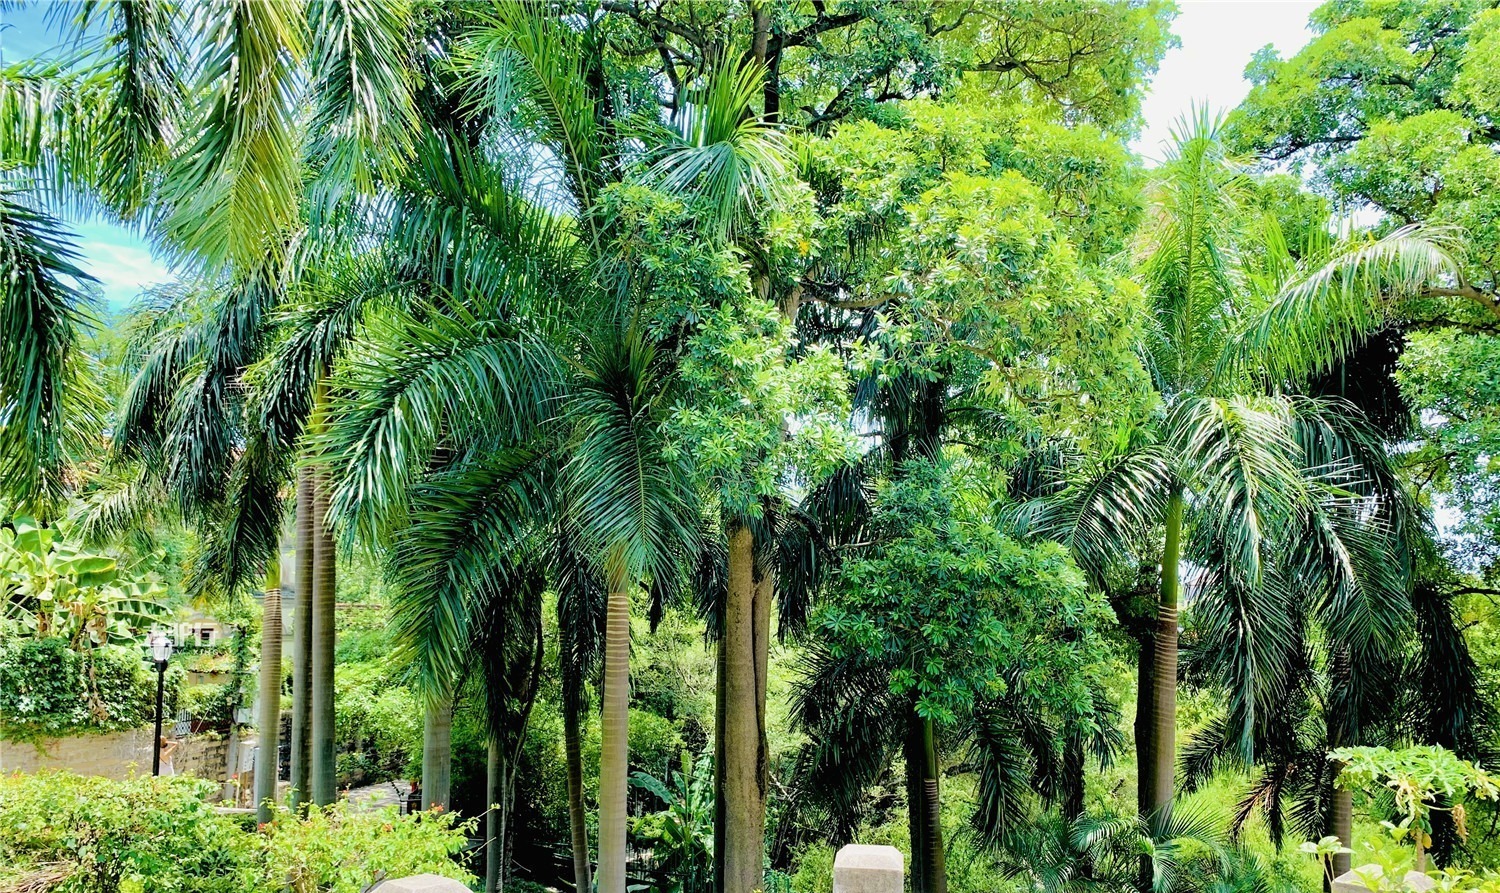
x,y
867,869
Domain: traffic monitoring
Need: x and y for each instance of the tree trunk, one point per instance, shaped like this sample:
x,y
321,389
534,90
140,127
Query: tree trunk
x,y
1074,784
497,806
302,643
1145,754
573,753
1341,806
322,783
914,751
1072,776
741,778
437,754
269,695
614,751
932,832
721,708
1164,666
1341,825
1145,750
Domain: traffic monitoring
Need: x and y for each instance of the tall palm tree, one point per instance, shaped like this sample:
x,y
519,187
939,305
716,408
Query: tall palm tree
x,y
734,162
634,506
269,694
1233,464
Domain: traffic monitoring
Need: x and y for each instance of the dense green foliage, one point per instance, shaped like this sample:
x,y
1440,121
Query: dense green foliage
x,y
720,431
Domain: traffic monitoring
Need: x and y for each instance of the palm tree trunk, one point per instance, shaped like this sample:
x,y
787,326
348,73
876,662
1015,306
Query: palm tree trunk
x,y
1072,776
914,752
302,643
1341,825
1341,807
269,695
932,832
614,751
742,737
437,754
1164,665
1145,753
573,754
496,808
321,773
721,799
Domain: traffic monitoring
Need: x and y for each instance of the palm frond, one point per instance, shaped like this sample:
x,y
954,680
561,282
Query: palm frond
x,y
136,57
845,707
122,500
633,502
48,406
1245,472
244,531
1103,512
206,415
1007,769
721,151
468,224
412,381
1321,314
1187,252
464,522
1248,636
232,194
528,65
362,85
313,330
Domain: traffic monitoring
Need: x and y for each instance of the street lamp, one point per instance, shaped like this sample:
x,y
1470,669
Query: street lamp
x,y
161,651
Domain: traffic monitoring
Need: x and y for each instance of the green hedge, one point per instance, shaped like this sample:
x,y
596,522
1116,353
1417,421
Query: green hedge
x,y
48,690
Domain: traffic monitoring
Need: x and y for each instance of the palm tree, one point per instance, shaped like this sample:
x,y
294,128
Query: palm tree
x,y
269,694
735,162
226,198
636,508
1229,470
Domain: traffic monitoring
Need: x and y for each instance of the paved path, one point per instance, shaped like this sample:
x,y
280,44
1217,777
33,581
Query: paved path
x,y
377,796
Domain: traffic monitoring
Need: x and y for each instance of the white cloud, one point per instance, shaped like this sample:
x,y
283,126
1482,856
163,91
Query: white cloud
x,y
122,269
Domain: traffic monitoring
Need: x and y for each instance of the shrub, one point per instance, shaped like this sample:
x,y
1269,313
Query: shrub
x,y
336,850
96,835
72,834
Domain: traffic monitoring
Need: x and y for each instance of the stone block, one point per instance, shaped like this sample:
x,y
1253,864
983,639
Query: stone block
x,y
867,869
421,883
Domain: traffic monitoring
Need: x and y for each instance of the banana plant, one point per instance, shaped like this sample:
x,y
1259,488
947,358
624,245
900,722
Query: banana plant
x,y
683,833
52,588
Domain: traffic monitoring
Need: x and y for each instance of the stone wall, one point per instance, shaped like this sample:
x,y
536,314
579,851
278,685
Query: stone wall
x,y
115,755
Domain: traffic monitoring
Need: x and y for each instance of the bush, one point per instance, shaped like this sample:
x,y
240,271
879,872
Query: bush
x,y
339,851
48,690
96,835
72,834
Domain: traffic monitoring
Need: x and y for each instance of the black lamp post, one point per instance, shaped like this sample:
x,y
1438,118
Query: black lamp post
x,y
161,651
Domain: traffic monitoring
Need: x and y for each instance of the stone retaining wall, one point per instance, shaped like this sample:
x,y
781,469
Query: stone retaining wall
x,y
115,755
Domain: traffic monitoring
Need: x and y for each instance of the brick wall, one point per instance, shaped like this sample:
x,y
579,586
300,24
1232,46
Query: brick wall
x,y
115,755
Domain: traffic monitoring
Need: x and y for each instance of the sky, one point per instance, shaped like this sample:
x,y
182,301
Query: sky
x,y
1218,38
115,256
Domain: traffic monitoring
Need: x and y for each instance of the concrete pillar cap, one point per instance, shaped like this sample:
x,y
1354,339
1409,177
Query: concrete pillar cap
x,y
421,883
860,868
